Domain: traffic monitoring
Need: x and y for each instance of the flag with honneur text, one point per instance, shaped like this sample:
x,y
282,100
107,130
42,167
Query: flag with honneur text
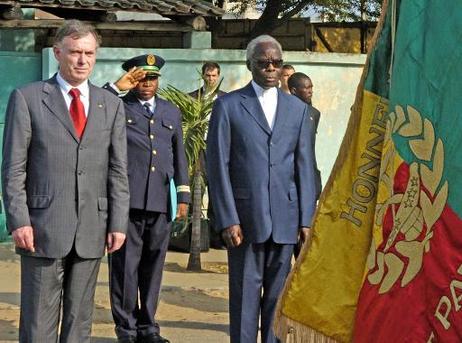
x,y
385,261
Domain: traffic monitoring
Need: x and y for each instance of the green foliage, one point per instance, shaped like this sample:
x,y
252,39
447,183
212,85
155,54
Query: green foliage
x,y
196,113
348,10
285,5
329,10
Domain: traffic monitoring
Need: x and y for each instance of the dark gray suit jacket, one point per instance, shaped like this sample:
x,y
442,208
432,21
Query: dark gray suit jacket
x,y
260,178
65,188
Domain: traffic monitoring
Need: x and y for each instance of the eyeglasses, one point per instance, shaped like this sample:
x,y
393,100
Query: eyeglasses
x,y
263,64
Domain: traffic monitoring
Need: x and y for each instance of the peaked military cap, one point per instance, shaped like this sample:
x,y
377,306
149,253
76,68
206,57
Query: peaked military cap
x,y
150,63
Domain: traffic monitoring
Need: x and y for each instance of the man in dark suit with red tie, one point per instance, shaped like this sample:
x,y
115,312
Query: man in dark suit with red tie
x,y
155,156
65,188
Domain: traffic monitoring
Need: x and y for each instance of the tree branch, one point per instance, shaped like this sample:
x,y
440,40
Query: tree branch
x,y
300,6
269,20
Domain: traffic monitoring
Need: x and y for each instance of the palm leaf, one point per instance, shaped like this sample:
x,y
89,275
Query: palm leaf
x,y
196,113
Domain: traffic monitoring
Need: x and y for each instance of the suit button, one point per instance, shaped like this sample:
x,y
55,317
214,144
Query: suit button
x,y
152,121
154,152
153,168
151,136
80,172
271,143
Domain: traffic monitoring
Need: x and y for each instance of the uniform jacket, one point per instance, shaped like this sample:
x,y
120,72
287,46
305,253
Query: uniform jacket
x,y
65,188
260,178
155,154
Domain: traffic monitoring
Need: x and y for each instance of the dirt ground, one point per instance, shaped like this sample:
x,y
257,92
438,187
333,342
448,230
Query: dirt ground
x,y
193,306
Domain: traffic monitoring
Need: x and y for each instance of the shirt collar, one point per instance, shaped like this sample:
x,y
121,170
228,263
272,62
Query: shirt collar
x,y
151,102
261,92
83,87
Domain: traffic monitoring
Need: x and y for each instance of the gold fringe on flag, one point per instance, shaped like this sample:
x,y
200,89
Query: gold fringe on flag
x,y
299,333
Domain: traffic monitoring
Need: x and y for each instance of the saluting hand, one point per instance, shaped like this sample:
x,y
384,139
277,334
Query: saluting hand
x,y
233,236
130,79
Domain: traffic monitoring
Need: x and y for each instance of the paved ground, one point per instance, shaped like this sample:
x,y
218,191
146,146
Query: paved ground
x,y
193,307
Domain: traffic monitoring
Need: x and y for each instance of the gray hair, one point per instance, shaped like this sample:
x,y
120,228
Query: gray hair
x,y
75,29
259,40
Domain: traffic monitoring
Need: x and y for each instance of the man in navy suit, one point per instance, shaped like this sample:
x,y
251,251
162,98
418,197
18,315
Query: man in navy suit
x,y
155,155
261,179
301,86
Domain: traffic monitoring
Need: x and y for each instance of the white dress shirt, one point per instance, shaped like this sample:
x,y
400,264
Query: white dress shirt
x,y
84,92
268,99
151,103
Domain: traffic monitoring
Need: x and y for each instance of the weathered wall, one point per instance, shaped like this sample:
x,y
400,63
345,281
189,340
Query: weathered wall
x,y
335,78
16,68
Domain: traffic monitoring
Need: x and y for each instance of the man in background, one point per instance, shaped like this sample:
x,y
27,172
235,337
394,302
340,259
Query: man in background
x,y
65,187
301,86
155,155
261,179
287,71
211,78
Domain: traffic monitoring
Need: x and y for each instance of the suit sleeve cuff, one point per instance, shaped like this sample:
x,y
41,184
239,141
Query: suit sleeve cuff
x,y
184,197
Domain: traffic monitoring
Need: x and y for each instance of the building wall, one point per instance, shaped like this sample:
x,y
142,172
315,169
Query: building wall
x,y
335,78
16,68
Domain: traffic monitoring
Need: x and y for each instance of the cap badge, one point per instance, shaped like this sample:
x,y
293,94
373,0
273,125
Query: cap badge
x,y
151,60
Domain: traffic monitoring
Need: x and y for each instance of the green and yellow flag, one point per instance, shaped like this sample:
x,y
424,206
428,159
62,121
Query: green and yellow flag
x,y
385,261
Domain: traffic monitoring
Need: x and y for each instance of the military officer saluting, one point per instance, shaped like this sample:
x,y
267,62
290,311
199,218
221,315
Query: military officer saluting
x,y
155,155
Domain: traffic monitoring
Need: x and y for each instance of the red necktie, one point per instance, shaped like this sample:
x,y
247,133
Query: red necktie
x,y
77,112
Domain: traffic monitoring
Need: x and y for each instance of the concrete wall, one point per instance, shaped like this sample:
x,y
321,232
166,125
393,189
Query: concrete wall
x,y
16,68
335,78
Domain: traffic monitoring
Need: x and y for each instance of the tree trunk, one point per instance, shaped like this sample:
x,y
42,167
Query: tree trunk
x,y
268,20
194,262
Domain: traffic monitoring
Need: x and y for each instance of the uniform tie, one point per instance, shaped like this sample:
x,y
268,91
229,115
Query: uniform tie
x,y
147,106
77,112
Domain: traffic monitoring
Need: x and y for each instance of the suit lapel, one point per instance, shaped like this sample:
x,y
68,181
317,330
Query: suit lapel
x,y
281,112
54,101
252,106
96,112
